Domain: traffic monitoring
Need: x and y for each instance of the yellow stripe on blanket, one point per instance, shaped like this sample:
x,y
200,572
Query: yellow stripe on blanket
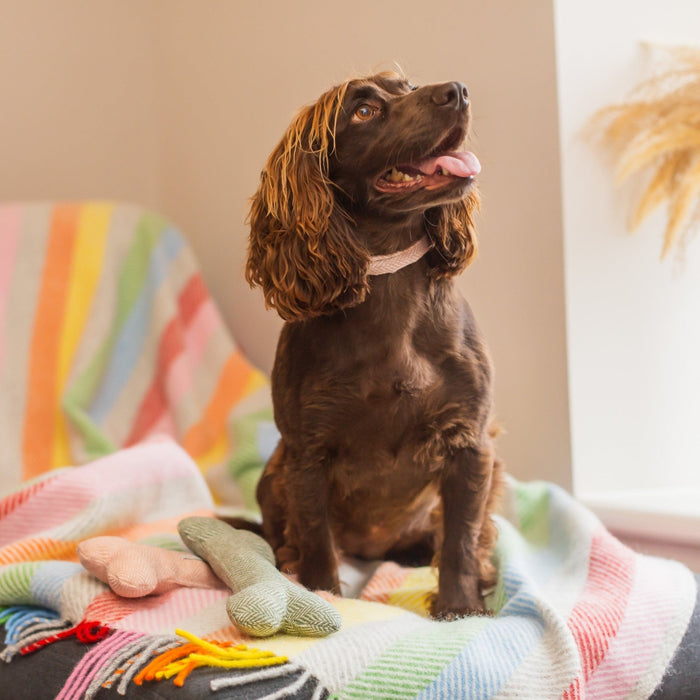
x,y
353,612
86,268
414,592
216,453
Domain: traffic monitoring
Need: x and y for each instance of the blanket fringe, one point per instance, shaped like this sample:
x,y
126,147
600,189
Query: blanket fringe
x,y
121,656
91,665
298,678
88,632
181,661
128,661
18,617
25,624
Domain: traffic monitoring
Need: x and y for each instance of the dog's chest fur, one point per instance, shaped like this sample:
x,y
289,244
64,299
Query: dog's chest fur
x,y
396,371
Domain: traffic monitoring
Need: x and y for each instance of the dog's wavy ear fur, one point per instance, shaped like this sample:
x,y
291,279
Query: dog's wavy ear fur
x,y
302,250
452,232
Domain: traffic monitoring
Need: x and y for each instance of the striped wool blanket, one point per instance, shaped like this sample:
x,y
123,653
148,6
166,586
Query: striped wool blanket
x,y
575,613
108,335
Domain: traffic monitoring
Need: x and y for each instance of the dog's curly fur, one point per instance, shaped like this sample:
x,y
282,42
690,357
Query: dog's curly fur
x,y
382,386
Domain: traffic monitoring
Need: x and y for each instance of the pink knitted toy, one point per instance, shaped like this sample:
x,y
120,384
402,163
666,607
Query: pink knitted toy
x,y
135,570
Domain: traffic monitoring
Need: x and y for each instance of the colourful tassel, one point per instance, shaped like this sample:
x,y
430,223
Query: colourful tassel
x,y
127,662
180,662
176,663
88,632
17,619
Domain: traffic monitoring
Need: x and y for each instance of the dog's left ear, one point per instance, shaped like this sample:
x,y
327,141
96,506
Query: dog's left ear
x,y
452,232
302,251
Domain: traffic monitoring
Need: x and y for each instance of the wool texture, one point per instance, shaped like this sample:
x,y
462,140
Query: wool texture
x,y
108,336
264,602
575,613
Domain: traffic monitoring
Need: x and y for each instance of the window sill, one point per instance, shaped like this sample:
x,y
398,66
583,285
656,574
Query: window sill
x,y
662,522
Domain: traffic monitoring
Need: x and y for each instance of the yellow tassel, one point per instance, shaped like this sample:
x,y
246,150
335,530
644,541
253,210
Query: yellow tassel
x,y
180,662
246,662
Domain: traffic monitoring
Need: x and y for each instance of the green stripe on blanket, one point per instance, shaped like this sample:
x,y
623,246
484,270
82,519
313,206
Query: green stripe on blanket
x,y
575,612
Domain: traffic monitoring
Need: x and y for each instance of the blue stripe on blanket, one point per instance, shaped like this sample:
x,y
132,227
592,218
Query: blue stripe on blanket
x,y
488,662
47,583
135,331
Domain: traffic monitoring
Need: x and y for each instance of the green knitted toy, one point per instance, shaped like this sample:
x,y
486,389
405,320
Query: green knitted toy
x,y
264,601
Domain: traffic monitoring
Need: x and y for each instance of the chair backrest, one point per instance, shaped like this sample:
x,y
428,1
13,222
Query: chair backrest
x,y
108,335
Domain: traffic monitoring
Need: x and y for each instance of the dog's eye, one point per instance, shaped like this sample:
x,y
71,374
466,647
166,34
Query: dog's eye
x,y
364,113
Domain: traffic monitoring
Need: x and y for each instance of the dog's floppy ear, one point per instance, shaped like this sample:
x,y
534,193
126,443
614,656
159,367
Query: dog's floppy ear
x,y
452,232
302,250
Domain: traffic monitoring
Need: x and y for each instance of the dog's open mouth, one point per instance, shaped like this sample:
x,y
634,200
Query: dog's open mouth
x,y
430,174
440,168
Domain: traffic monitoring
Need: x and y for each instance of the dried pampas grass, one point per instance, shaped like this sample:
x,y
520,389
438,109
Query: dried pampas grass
x,y
656,133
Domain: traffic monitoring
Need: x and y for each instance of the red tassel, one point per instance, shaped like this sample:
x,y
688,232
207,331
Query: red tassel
x,y
91,632
86,631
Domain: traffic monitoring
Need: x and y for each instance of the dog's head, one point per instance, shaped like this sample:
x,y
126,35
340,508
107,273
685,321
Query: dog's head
x,y
396,146
374,149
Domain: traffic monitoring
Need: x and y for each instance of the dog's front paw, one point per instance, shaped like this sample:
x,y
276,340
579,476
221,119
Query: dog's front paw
x,y
318,577
287,559
455,613
452,603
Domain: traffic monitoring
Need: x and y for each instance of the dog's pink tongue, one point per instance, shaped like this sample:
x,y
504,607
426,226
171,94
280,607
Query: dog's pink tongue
x,y
459,164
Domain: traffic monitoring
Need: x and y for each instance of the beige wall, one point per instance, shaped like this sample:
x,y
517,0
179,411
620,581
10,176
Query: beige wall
x,y
78,109
176,103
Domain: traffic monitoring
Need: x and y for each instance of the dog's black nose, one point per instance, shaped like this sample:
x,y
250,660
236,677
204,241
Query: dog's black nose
x,y
452,94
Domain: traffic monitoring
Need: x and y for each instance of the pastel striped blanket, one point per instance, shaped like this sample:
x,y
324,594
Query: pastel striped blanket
x,y
108,335
575,613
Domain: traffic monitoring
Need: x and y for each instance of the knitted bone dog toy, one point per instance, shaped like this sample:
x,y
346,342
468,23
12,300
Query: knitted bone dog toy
x,y
135,570
264,601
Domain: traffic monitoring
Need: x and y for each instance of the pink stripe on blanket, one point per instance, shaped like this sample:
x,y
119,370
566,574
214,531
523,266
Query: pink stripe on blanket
x,y
386,580
166,425
199,333
643,629
76,490
55,504
95,659
109,608
595,620
15,500
177,373
162,614
10,223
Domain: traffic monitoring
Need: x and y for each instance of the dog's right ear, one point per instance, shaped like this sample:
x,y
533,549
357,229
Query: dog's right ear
x,y
302,249
452,233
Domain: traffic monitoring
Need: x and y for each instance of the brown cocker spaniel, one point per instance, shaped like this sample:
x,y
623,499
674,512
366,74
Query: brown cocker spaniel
x,y
382,385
